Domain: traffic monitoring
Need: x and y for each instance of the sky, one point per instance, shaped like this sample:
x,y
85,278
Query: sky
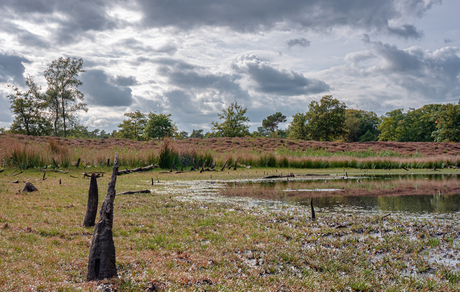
x,y
191,59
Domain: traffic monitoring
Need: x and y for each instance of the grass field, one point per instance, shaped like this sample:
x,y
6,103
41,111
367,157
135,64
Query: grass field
x,y
164,242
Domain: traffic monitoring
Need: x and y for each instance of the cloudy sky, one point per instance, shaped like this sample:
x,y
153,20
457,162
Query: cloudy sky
x,y
193,58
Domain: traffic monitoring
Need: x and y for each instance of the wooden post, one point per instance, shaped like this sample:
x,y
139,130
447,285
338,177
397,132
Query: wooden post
x,y
91,207
101,263
78,163
108,161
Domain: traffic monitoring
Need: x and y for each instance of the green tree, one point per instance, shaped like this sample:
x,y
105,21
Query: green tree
x,y
448,124
63,93
361,126
133,128
390,128
271,122
326,119
197,134
28,108
159,126
233,124
298,127
183,135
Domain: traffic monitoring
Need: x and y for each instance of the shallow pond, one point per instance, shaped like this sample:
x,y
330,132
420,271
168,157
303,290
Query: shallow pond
x,y
393,193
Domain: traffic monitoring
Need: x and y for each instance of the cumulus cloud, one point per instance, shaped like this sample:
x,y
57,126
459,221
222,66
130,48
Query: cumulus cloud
x,y
433,76
95,122
406,31
271,80
12,69
125,81
99,91
5,114
136,45
302,42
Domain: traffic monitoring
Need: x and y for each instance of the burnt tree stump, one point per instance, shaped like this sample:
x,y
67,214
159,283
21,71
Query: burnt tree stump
x,y
29,187
101,263
91,207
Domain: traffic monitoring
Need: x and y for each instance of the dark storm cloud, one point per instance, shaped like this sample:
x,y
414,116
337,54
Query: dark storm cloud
x,y
76,17
298,42
98,90
249,16
11,69
274,81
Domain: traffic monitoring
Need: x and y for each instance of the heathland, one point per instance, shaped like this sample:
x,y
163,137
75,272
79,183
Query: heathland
x,y
220,230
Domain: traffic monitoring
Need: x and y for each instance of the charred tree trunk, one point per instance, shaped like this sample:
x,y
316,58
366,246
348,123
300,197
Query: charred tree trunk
x,y
101,263
78,163
313,216
91,207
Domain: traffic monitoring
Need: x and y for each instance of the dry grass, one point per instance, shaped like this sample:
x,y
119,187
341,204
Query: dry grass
x,y
175,245
34,152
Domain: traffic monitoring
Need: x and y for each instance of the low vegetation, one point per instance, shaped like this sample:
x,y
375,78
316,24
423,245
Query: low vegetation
x,y
168,240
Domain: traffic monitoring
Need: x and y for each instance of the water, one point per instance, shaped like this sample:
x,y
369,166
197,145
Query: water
x,y
432,193
406,203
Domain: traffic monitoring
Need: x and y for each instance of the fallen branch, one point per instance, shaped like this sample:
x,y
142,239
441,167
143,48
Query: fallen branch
x,y
135,192
280,176
52,170
2,170
17,173
139,169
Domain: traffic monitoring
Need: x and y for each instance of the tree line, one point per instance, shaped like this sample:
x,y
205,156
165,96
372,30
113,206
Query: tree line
x,y
53,113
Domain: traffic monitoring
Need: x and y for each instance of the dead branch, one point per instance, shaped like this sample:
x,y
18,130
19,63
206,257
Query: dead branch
x,y
139,169
135,192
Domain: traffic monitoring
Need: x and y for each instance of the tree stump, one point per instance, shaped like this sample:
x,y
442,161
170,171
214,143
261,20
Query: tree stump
x,y
91,207
102,263
29,187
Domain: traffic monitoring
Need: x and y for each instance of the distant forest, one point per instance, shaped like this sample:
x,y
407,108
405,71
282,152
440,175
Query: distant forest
x,y
53,113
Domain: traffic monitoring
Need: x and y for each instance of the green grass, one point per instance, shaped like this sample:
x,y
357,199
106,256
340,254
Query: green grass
x,y
164,241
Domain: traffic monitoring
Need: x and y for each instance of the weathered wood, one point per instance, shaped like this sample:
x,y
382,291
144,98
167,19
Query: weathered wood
x,y
29,187
17,173
139,169
135,192
98,174
313,216
55,163
234,167
52,170
102,263
225,164
91,206
78,163
279,176
44,174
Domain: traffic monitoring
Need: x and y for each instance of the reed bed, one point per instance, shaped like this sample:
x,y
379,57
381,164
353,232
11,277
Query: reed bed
x,y
47,152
